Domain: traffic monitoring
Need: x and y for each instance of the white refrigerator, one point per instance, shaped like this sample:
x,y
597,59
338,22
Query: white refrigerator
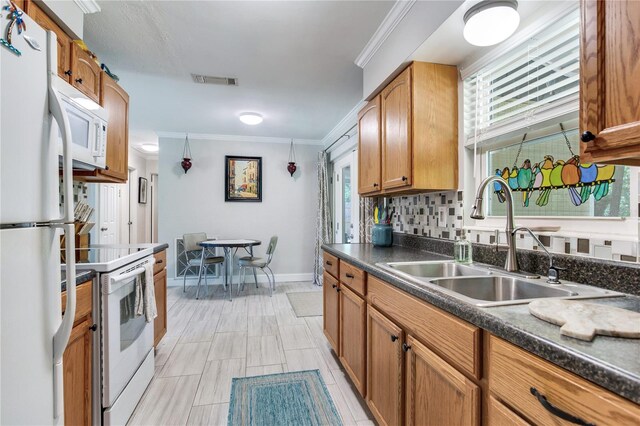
x,y
33,334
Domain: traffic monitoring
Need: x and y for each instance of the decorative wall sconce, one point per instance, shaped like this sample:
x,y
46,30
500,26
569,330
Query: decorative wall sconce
x,y
186,156
292,160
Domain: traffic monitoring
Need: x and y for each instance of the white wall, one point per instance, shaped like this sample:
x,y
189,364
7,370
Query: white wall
x,y
194,202
141,213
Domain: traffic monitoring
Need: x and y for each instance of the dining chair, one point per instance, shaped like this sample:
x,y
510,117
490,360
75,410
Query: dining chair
x,y
260,263
191,244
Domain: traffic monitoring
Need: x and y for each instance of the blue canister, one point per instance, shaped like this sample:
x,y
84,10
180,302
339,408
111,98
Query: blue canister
x,y
382,235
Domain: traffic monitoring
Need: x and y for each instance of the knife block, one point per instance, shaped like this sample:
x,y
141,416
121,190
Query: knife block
x,y
82,242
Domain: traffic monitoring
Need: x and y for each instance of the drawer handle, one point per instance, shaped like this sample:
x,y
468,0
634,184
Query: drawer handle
x,y
394,337
94,327
556,411
159,261
405,347
329,263
349,275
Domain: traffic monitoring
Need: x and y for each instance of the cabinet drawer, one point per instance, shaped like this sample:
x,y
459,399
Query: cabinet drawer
x,y
513,373
331,264
354,278
455,340
161,261
84,300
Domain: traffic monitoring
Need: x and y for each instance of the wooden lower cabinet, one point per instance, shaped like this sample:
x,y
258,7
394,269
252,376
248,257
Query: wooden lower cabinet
x,y
77,360
501,415
160,323
384,368
353,326
435,392
331,311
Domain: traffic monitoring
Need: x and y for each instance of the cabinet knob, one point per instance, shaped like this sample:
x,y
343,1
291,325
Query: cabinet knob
x,y
106,167
394,338
159,261
375,185
68,72
334,286
587,136
404,178
405,347
94,327
338,290
79,80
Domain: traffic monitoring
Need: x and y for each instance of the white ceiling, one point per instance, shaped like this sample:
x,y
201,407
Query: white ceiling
x,y
294,61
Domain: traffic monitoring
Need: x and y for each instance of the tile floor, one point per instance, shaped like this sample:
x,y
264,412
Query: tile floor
x,y
211,340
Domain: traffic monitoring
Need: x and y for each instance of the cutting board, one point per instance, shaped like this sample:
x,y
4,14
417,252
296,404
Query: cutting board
x,y
583,320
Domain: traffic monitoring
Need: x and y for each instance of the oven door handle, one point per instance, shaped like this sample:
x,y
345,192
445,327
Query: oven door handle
x,y
124,277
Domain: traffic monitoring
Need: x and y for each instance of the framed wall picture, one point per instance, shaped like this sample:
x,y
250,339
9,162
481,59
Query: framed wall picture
x,y
243,178
142,190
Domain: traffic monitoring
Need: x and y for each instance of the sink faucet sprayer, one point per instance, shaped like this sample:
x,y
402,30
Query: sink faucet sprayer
x,y
511,264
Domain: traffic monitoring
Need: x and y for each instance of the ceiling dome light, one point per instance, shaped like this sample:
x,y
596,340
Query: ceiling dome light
x,y
491,21
149,147
251,118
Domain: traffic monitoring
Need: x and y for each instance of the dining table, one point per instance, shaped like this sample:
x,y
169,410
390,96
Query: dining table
x,y
230,248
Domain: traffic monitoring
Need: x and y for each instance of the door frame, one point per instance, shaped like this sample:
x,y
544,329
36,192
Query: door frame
x,y
349,159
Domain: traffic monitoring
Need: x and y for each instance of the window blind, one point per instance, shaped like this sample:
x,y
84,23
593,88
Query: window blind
x,y
529,84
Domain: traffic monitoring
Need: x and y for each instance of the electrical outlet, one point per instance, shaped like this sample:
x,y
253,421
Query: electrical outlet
x,y
442,217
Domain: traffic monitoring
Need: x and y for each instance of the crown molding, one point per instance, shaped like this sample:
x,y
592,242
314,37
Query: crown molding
x,y
389,23
88,6
343,126
235,138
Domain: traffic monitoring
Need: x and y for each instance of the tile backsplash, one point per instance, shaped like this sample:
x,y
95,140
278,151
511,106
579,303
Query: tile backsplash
x,y
80,192
440,215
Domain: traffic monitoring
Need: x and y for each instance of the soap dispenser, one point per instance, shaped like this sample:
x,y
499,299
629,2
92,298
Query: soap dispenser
x,y
462,249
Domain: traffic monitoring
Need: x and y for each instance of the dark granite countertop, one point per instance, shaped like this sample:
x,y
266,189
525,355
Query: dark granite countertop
x,y
81,277
613,363
157,248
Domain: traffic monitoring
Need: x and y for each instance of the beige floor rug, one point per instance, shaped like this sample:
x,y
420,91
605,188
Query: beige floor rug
x,y
306,303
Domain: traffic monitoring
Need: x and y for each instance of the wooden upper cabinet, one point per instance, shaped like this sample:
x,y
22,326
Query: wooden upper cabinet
x,y
116,101
610,81
384,368
369,148
436,393
396,132
64,41
85,73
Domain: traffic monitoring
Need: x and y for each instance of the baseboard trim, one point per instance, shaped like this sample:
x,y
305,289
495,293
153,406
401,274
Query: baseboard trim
x,y
262,278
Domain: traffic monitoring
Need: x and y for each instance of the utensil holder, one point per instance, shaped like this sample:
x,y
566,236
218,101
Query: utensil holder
x,y
382,235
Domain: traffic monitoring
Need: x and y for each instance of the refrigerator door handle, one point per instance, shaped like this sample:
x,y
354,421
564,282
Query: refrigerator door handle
x,y
61,337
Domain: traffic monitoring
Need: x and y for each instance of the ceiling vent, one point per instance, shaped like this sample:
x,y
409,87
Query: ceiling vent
x,y
207,79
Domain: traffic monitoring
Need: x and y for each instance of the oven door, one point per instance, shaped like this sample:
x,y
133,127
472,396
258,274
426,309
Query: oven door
x,y
127,339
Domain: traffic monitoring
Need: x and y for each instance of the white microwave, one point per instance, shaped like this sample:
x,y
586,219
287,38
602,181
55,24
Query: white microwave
x,y
88,123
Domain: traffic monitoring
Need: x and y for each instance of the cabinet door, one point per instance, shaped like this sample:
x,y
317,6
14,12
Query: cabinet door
x,y
396,132
160,323
331,311
437,393
369,148
384,368
77,375
116,101
353,323
85,73
610,81
64,41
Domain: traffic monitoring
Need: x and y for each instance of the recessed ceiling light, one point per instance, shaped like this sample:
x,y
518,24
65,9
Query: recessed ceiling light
x,y
149,147
86,103
491,21
251,118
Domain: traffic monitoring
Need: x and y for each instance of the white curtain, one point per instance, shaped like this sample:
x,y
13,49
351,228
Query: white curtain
x,y
323,218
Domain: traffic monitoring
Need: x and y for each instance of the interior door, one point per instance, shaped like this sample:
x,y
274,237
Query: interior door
x,y
346,202
108,213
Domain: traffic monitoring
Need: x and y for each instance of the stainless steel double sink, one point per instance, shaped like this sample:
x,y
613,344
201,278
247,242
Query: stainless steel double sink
x,y
483,286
